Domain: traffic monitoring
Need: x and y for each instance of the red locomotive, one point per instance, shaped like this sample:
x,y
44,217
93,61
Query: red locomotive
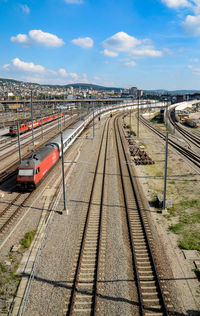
x,y
25,127
34,168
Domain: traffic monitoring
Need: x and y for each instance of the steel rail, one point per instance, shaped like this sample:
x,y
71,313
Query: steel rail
x,y
191,137
190,155
142,306
83,240
13,214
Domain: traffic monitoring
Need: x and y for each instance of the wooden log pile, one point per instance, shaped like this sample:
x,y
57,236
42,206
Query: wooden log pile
x,y
140,156
138,153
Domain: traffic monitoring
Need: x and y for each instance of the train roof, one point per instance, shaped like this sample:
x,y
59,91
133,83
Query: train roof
x,y
35,158
68,133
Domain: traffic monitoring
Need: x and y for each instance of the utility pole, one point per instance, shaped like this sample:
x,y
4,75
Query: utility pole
x,y
32,116
138,113
60,120
93,120
42,126
165,176
18,136
63,171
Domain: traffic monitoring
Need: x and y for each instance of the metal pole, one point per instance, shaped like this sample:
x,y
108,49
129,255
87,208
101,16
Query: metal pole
x,y
130,120
42,126
18,135
165,177
32,115
93,119
60,120
63,171
138,113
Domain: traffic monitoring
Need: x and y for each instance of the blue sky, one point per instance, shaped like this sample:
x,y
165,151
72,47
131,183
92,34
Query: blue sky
x,y
151,44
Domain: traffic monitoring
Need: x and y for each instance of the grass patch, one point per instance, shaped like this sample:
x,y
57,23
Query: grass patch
x,y
190,203
2,267
27,240
176,229
190,241
157,119
159,173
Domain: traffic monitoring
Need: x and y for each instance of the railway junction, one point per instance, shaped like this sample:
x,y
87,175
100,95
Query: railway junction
x,y
112,251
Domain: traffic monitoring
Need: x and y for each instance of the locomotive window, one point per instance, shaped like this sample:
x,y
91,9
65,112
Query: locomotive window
x,y
25,172
37,170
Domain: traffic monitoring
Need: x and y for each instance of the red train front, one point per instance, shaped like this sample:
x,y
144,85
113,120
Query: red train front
x,y
34,168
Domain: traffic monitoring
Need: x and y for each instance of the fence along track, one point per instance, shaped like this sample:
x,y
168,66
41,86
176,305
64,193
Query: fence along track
x,y
82,300
150,295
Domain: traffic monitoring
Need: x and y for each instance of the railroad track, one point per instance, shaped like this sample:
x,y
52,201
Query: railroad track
x,y
187,153
82,296
194,139
37,133
150,293
12,211
12,167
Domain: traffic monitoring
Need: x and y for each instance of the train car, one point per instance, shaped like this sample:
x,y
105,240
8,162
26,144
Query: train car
x,y
35,124
23,128
34,168
69,136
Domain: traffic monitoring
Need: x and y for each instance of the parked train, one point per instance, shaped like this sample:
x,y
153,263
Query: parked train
x,y
25,127
33,169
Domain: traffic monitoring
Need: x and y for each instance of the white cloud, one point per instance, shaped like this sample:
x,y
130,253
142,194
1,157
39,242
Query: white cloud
x,y
194,60
121,42
109,53
130,64
20,39
85,42
176,3
195,70
38,37
124,43
147,51
62,72
27,66
28,71
46,39
74,1
168,51
192,24
6,66
25,8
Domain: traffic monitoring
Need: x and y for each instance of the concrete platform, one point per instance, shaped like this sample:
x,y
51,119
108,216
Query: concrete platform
x,y
191,254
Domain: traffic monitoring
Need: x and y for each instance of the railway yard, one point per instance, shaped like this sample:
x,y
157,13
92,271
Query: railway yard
x,y
113,251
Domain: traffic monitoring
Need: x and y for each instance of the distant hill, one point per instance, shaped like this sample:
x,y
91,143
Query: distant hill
x,y
74,85
97,87
91,86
